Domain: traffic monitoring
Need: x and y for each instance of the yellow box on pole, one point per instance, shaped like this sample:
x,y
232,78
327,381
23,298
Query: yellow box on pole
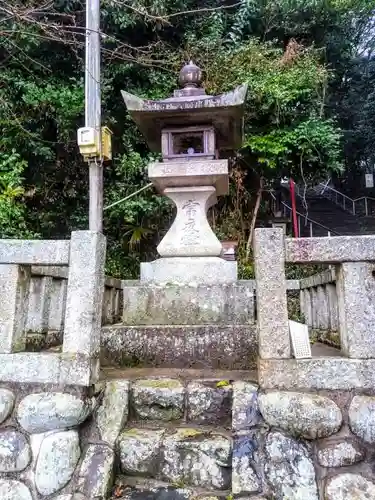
x,y
106,144
89,145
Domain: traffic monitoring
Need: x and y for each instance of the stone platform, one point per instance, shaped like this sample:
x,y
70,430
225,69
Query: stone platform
x,y
230,304
180,346
189,270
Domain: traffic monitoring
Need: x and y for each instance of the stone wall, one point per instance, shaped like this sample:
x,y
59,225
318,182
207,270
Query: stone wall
x,y
320,410
319,303
77,362
47,300
192,438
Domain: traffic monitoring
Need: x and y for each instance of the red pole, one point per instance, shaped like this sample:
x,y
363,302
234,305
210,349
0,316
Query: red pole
x,y
294,211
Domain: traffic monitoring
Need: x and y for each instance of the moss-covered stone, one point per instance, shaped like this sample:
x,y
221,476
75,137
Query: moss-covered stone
x,y
209,403
158,399
160,383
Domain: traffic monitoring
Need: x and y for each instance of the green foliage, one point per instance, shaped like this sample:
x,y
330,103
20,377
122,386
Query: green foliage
x,y
305,82
12,213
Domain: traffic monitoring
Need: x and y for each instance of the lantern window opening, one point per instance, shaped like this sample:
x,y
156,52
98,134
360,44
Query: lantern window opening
x,y
194,142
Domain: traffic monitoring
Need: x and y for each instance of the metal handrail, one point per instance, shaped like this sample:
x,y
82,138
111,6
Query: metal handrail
x,y
349,205
311,221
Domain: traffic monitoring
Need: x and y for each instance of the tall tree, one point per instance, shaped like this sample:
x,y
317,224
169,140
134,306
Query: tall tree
x,y
294,54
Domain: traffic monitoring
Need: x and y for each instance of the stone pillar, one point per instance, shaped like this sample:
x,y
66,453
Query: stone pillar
x,y
308,307
314,308
302,303
57,304
333,307
322,310
269,258
14,294
190,234
39,304
356,303
84,301
109,305
118,304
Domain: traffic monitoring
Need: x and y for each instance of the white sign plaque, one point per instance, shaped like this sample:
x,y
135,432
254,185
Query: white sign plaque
x,y
299,334
369,180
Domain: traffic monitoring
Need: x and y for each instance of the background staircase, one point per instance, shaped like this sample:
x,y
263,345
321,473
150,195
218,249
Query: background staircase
x,y
318,214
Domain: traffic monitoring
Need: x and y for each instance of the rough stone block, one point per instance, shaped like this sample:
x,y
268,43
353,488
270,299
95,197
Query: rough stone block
x,y
362,417
48,411
209,402
269,256
85,293
96,473
217,346
349,487
7,400
158,399
14,296
189,271
245,408
140,451
302,415
11,490
58,456
340,453
113,411
15,453
39,304
231,304
244,478
356,302
197,459
289,469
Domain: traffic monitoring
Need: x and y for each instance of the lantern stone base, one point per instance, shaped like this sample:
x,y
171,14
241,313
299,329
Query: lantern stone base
x,y
190,234
189,271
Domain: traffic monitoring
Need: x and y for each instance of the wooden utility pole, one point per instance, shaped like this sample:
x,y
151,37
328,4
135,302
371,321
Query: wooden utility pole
x,y
93,110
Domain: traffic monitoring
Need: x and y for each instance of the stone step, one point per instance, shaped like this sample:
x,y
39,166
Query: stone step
x,y
188,305
232,347
140,488
170,397
108,373
184,457
181,435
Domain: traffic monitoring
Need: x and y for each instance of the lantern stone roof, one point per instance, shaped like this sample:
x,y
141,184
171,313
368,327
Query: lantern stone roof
x,y
190,106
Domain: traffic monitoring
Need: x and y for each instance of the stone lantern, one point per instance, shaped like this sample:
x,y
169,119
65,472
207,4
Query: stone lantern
x,y
191,130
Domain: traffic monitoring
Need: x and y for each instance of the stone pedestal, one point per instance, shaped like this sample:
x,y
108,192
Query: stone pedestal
x,y
190,234
190,250
189,271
